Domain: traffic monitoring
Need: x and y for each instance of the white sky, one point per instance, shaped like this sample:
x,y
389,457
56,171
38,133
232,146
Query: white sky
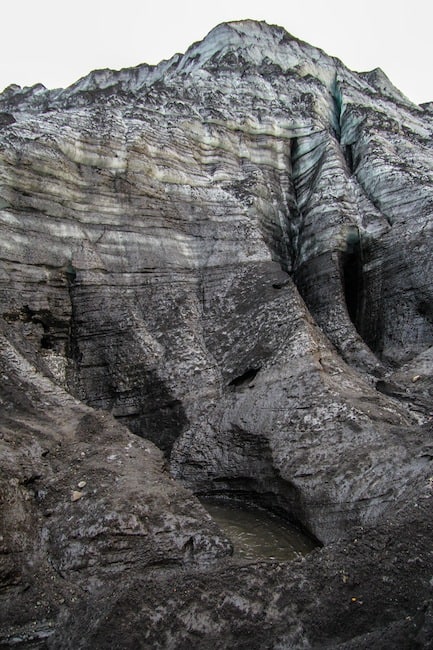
x,y
55,42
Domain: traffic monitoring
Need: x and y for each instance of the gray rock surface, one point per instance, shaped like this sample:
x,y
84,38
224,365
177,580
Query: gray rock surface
x,y
226,256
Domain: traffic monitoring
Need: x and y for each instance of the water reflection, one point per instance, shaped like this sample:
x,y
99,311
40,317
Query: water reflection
x,y
255,534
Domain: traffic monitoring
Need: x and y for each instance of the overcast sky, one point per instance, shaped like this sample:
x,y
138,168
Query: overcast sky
x,y
55,42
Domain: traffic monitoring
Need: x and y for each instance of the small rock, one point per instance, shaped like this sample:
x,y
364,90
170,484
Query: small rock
x,y
82,484
415,378
76,495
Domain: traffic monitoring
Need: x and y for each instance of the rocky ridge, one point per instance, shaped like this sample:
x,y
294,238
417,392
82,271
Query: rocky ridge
x,y
229,253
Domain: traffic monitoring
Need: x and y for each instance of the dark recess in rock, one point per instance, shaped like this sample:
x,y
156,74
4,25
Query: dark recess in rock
x,y
353,282
348,154
161,418
245,378
6,119
425,309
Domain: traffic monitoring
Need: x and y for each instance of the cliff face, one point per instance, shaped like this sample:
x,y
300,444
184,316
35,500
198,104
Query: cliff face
x,y
230,253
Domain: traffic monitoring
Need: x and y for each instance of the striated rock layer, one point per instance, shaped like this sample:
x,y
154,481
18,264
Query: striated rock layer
x,y
228,255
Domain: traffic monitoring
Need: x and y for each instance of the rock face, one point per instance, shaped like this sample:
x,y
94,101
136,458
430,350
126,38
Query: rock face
x,y
227,256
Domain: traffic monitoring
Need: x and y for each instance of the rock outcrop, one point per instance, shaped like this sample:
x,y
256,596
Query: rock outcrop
x,y
227,257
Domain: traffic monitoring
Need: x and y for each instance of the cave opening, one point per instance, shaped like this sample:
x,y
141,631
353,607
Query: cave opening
x,y
425,310
353,280
47,342
348,154
245,378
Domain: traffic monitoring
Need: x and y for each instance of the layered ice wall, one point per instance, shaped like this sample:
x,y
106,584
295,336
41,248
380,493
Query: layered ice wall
x,y
230,254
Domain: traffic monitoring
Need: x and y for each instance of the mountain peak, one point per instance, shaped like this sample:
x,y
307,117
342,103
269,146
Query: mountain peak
x,y
228,52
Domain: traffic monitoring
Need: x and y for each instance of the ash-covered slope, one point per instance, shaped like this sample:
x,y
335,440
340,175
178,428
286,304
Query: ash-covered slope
x,y
229,253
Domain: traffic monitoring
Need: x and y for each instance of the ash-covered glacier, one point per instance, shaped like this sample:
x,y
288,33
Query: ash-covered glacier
x,y
216,278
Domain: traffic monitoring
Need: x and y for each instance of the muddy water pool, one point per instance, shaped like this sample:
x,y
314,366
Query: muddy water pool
x,y
256,534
